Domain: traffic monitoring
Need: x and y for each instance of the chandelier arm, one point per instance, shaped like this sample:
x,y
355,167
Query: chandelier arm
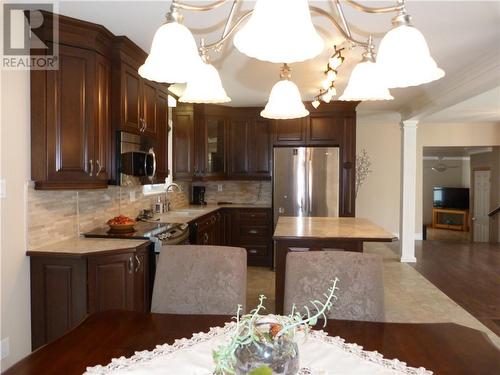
x,y
342,17
346,35
362,8
230,32
230,18
201,8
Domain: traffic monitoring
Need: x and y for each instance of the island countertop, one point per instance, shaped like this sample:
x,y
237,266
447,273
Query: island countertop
x,y
292,227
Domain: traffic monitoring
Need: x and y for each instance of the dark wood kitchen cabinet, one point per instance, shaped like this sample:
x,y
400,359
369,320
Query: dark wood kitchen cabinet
x,y
207,230
183,143
290,132
66,287
249,146
134,98
70,121
163,129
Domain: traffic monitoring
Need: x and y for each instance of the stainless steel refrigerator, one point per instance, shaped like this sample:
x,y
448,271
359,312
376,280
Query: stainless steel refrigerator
x,y
306,181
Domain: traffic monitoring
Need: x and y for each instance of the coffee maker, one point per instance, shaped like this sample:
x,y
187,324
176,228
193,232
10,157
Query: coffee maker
x,y
198,195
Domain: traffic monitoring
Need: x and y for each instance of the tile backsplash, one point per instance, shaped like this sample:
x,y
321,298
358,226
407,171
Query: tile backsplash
x,y
59,215
238,191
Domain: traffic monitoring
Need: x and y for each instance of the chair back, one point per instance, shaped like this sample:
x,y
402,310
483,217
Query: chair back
x,y
361,290
193,279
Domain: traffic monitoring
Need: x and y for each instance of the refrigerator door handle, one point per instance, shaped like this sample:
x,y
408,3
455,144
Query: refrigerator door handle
x,y
309,185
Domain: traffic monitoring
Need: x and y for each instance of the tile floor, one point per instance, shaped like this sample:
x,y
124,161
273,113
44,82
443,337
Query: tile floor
x,y
409,297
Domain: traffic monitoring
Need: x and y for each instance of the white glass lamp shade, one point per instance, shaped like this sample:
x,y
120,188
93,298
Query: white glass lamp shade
x,y
366,84
279,31
404,59
173,55
284,102
205,86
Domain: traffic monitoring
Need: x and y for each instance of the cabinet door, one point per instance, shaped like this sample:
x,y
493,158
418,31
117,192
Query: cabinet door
x,y
102,138
131,100
162,148
238,148
260,149
70,117
290,132
142,290
148,110
324,130
183,145
111,282
212,139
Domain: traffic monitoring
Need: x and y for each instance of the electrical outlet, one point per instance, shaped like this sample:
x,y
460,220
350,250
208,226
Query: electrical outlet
x,y
4,348
131,195
219,187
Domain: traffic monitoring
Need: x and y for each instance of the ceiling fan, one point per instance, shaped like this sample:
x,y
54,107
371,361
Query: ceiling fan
x,y
441,167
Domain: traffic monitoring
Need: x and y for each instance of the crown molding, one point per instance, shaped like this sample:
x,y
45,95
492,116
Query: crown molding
x,y
466,83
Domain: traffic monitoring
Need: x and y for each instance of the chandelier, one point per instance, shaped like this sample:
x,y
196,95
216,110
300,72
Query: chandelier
x,y
281,31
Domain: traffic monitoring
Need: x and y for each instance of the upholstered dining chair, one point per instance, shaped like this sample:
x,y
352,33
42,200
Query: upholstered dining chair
x,y
193,279
361,290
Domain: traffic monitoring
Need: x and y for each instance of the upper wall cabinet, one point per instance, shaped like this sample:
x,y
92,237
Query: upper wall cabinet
x,y
134,98
183,142
70,112
249,146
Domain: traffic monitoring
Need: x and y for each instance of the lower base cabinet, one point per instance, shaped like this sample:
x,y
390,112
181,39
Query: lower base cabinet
x,y
66,288
250,228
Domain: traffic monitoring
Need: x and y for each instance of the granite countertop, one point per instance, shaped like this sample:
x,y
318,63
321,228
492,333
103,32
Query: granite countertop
x,y
330,227
189,213
86,246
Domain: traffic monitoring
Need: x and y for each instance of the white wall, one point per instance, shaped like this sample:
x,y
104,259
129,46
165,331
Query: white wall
x,y
450,134
378,198
15,164
380,135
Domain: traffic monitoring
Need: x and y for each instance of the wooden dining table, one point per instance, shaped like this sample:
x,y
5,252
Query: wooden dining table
x,y
444,348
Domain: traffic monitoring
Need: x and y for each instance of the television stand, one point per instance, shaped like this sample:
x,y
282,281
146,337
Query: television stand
x,y
438,214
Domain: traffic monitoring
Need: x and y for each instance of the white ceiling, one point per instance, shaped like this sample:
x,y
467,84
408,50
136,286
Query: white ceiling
x,y
458,33
480,108
454,151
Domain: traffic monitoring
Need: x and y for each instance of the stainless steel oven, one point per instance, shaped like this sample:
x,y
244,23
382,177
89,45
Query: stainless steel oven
x,y
136,159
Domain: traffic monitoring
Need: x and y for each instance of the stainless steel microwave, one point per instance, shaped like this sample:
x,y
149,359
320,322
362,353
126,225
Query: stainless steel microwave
x,y
136,164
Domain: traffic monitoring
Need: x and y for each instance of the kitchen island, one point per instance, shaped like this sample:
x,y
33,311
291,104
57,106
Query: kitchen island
x,y
320,233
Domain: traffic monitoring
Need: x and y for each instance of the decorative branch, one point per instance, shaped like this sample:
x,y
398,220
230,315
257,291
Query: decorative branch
x,y
363,164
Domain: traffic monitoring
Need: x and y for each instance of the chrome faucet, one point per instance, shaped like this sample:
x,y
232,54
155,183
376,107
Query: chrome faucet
x,y
172,185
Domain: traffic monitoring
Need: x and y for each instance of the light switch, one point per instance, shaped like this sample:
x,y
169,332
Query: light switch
x,y
219,187
132,195
3,188
4,348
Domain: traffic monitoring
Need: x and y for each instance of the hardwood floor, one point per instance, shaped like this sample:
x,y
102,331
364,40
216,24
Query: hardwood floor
x,y
468,273
447,235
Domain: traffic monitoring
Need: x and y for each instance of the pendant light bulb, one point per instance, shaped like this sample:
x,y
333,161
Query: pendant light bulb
x,y
335,61
331,75
205,86
315,103
403,56
173,54
284,101
279,31
365,82
326,84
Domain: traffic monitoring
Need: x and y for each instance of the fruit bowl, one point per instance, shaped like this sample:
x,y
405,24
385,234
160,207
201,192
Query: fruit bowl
x,y
121,224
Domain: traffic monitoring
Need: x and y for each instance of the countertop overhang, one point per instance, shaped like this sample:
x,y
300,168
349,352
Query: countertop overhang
x,y
344,228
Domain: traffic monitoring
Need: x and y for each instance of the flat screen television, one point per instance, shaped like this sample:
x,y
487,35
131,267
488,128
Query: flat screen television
x,y
451,197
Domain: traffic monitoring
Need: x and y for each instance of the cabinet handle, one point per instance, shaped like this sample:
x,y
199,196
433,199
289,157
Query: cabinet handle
x,y
143,125
253,231
205,237
138,266
253,251
91,167
130,265
99,167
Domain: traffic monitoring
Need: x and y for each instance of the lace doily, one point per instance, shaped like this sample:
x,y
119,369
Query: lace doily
x,y
194,356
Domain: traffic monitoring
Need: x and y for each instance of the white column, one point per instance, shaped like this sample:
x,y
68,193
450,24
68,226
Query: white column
x,y
408,182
